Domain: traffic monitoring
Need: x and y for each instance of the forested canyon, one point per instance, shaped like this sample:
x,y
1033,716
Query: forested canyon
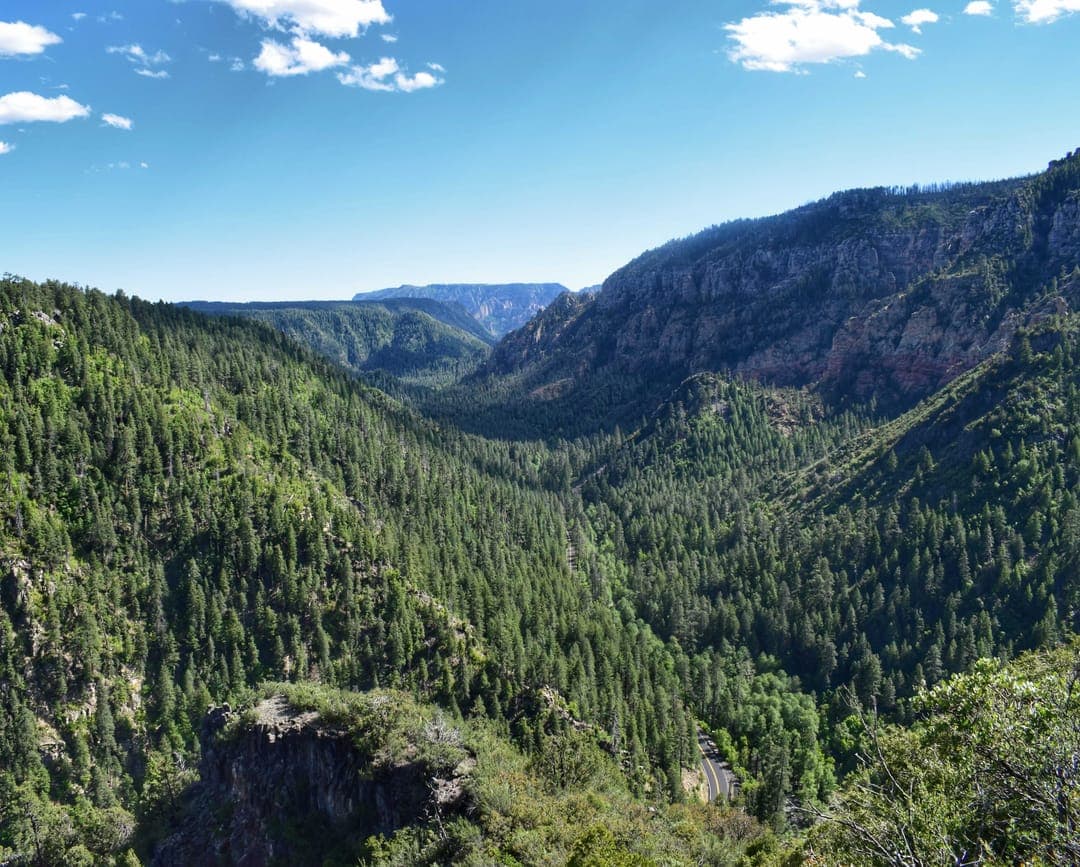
x,y
357,582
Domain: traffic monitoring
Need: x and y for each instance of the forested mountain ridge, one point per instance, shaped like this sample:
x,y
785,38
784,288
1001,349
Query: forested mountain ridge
x,y
192,505
883,294
1020,400
419,341
498,307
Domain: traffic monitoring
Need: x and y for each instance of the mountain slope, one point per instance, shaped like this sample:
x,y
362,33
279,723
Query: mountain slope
x,y
499,307
870,294
419,341
192,505
846,552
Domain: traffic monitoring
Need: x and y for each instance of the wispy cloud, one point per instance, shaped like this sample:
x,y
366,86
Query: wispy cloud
x,y
299,58
387,76
809,32
19,38
6,148
388,37
330,18
117,121
375,76
138,55
1045,11
25,107
919,18
145,62
78,16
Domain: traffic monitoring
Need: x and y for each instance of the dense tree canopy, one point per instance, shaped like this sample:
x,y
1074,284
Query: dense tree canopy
x,y
192,506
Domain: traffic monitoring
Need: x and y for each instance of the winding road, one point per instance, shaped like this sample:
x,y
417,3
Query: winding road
x,y
719,777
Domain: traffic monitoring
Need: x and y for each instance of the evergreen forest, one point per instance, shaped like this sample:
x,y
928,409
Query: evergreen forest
x,y
539,584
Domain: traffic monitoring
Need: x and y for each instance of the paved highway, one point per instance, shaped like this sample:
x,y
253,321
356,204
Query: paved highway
x,y
718,775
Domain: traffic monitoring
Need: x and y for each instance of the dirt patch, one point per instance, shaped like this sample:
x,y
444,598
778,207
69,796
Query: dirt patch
x,y
693,783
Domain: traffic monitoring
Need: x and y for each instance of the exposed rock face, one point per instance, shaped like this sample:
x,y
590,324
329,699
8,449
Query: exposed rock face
x,y
870,293
1064,237
543,330
289,789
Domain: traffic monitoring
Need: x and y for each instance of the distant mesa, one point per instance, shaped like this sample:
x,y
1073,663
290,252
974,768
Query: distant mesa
x,y
499,307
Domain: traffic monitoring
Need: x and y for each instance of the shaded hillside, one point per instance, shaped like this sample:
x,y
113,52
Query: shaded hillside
x,y
883,294
499,307
419,341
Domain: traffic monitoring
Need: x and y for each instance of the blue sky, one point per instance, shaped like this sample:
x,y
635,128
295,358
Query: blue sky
x,y
274,149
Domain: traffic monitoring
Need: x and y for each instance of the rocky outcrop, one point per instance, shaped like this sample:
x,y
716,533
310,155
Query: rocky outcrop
x,y
884,294
543,332
286,788
1064,235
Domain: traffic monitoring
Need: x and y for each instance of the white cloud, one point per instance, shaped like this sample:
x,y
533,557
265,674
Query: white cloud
x,y
144,165
112,16
376,76
904,50
860,74
1045,11
809,31
117,121
436,67
18,37
388,37
387,75
420,81
332,18
979,7
214,58
6,148
919,17
78,16
143,59
237,65
138,55
300,58
26,107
